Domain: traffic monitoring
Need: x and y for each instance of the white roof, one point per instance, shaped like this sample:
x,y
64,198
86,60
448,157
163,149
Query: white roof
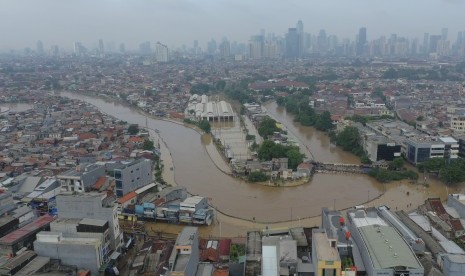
x,y
447,139
365,221
269,261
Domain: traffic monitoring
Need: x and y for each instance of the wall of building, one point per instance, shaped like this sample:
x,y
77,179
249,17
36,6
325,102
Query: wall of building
x,y
81,255
79,207
133,176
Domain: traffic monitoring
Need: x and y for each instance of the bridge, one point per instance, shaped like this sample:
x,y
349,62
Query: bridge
x,y
322,167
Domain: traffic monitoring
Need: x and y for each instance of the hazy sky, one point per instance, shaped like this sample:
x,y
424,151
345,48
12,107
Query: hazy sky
x,y
177,22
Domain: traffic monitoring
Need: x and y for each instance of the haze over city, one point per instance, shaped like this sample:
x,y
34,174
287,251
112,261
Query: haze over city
x,y
24,22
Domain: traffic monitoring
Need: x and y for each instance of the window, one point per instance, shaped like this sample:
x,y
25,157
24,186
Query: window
x,y
119,184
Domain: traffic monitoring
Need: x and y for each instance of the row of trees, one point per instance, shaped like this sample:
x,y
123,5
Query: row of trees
x,y
269,150
305,114
450,171
350,140
203,124
383,175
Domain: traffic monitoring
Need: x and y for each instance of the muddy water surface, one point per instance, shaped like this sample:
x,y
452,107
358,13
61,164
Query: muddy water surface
x,y
195,169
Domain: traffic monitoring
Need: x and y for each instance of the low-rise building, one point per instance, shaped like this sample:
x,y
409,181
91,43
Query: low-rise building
x,y
279,255
92,206
132,175
381,148
81,178
185,255
82,252
420,149
325,257
383,250
24,236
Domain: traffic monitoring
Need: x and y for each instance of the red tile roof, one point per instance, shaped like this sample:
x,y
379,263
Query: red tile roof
x,y
100,182
221,272
135,139
456,224
126,197
209,254
86,135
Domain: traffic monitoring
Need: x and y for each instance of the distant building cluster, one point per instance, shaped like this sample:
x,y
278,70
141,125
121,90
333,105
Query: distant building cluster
x,y
203,108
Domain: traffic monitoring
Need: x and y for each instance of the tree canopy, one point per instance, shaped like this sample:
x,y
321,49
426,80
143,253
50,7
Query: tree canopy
x,y
204,125
269,150
267,127
133,129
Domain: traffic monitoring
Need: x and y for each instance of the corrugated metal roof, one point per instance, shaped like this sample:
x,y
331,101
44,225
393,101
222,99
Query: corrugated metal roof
x,y
26,230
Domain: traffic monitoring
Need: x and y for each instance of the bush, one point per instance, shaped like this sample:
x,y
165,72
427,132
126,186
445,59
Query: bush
x,y
258,177
384,175
205,126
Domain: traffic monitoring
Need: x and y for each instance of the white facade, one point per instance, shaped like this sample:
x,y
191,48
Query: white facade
x,y
162,53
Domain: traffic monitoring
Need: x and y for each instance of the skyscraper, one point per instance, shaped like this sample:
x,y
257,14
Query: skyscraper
x,y
101,48
225,49
211,47
362,40
162,53
426,43
433,43
444,32
292,43
256,45
40,48
300,31
145,48
322,41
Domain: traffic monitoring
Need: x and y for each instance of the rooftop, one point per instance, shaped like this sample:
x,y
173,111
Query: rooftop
x,y
26,230
95,222
187,235
322,247
387,248
363,218
127,197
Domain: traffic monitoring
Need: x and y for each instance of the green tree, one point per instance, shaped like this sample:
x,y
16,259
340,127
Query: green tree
x,y
265,152
267,127
391,73
349,138
148,145
432,165
220,85
397,163
257,177
133,129
205,126
324,121
281,101
295,158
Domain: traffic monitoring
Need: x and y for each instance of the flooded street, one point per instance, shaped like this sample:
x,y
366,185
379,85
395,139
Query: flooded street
x,y
240,201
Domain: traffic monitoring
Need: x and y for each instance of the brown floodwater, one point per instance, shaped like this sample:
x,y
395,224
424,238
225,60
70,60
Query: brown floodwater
x,y
195,169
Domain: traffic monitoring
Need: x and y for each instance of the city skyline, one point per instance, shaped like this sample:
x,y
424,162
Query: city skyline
x,y
135,22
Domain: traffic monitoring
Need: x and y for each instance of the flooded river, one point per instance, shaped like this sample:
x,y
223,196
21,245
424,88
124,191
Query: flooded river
x,y
195,169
